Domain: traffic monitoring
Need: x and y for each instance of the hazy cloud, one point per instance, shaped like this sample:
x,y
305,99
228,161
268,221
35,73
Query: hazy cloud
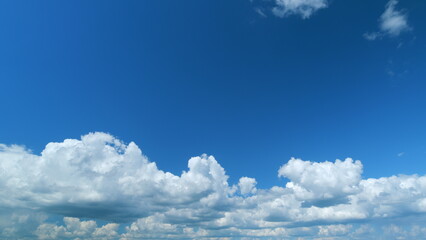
x,y
391,23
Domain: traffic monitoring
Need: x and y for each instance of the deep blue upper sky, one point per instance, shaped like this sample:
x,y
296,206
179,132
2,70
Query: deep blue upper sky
x,y
182,78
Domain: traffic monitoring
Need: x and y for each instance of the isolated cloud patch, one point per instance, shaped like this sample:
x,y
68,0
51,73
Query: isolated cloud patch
x,y
392,22
98,177
303,8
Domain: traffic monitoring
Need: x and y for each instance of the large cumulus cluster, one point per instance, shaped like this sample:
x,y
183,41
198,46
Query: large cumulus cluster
x,y
98,187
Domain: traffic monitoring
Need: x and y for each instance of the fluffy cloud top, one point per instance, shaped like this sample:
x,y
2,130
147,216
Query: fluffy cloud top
x,y
322,181
247,185
99,177
303,8
74,228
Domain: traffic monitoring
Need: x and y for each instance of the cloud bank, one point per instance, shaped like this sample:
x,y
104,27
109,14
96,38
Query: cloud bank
x,y
72,185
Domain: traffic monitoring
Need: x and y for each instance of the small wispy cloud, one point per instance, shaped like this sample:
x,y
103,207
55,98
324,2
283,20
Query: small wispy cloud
x,y
261,12
303,8
392,23
371,36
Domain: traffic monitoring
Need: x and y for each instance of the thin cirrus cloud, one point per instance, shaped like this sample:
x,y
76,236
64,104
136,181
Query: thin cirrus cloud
x,y
98,178
392,22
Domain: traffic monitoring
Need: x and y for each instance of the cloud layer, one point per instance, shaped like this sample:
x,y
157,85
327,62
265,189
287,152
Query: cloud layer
x,y
100,178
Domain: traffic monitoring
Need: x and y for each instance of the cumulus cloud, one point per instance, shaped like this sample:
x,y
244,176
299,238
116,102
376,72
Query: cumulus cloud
x,y
100,178
324,181
303,8
73,228
247,185
392,22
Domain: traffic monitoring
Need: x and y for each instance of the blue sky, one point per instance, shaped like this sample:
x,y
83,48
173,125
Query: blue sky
x,y
253,83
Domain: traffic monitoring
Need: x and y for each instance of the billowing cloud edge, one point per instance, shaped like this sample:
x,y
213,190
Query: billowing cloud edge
x,y
100,178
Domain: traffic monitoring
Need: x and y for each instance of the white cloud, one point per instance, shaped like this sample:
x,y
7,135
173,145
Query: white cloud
x,y
303,8
334,230
392,22
76,229
322,181
247,185
99,177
